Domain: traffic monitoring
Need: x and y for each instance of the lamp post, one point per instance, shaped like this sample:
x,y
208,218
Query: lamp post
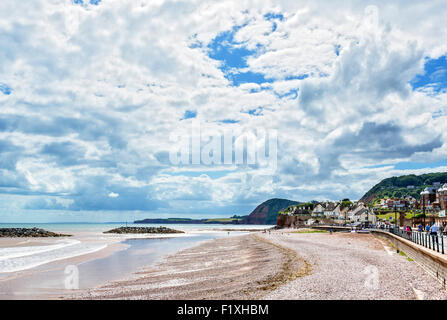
x,y
366,220
395,217
346,212
423,209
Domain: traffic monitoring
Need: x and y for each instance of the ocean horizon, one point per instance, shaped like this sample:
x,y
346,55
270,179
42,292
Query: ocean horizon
x,y
104,226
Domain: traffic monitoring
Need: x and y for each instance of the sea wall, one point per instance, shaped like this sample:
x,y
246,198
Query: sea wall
x,y
433,262
299,220
291,221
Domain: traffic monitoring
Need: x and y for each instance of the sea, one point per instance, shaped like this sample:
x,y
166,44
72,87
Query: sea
x,y
39,268
62,227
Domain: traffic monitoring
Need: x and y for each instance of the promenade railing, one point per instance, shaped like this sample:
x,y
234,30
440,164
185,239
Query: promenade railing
x,y
434,242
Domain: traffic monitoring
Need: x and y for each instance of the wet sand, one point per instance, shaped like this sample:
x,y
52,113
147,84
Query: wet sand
x,y
241,267
46,281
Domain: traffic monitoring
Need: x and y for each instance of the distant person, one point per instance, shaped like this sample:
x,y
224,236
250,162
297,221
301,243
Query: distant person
x,y
420,228
427,228
445,229
409,230
434,232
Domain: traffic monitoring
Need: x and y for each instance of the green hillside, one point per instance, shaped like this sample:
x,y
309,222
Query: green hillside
x,y
397,186
267,212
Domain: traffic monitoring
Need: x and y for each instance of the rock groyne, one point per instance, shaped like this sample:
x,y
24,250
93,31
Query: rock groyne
x,y
122,230
28,232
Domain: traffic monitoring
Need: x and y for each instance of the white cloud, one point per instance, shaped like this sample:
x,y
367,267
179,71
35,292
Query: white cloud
x,y
97,90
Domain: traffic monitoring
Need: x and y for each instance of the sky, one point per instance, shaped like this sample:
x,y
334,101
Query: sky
x,y
92,91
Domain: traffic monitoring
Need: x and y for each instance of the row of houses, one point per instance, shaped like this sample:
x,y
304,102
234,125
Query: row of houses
x,y
433,198
357,212
408,202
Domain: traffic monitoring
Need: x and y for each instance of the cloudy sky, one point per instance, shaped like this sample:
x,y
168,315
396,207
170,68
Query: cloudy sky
x,y
91,92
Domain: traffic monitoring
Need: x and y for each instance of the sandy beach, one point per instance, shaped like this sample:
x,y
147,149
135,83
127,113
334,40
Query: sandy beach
x,y
280,265
240,267
34,268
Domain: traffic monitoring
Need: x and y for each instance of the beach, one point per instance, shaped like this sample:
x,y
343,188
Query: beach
x,y
240,267
214,264
36,268
280,265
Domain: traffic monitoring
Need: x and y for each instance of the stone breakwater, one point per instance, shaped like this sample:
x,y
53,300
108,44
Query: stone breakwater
x,y
28,232
143,230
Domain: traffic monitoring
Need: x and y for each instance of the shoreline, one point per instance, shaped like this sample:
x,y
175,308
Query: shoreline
x,y
102,245
46,281
277,266
238,267
281,265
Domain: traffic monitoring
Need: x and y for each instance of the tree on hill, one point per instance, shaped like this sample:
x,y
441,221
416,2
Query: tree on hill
x,y
346,203
396,187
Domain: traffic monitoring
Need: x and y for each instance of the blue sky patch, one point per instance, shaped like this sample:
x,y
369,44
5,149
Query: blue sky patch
x,y
337,49
419,165
273,16
6,90
229,121
411,165
189,114
231,53
298,77
378,166
247,77
293,94
435,75
256,112
233,57
92,2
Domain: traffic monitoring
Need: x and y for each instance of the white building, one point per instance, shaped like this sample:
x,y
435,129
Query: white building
x,y
318,210
364,216
332,210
